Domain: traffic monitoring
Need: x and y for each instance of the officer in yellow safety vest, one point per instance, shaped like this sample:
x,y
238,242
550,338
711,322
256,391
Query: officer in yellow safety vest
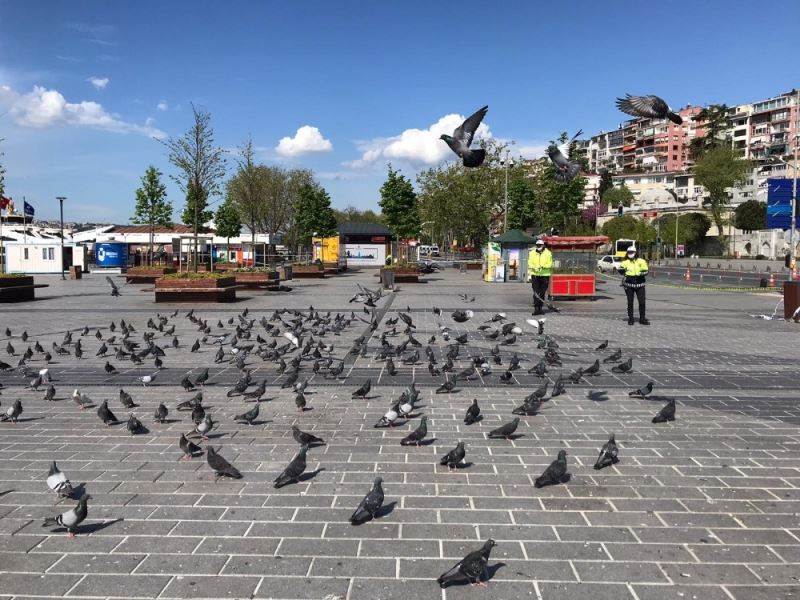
x,y
540,267
635,270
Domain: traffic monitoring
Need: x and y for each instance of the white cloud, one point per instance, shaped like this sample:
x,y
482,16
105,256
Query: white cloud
x,y
99,83
42,108
532,150
307,139
417,146
162,105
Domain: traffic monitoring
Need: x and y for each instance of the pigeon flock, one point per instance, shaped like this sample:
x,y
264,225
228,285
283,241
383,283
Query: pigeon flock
x,y
295,350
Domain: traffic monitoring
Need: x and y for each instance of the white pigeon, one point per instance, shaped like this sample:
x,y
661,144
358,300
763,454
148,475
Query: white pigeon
x,y
145,379
45,375
58,482
292,338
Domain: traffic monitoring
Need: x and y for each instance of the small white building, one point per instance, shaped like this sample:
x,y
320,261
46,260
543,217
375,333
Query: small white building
x,y
42,256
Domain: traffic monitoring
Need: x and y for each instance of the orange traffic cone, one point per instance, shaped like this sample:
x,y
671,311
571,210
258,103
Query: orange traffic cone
x,y
688,276
771,282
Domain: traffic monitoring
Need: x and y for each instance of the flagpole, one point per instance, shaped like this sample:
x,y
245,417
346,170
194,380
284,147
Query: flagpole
x,y
24,222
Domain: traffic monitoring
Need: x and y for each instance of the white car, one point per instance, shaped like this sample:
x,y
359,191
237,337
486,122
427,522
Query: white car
x,y
609,263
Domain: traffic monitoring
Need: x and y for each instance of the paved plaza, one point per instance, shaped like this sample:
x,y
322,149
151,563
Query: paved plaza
x,y
702,508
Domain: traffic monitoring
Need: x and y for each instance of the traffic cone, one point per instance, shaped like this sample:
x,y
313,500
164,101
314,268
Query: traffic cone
x,y
771,282
688,276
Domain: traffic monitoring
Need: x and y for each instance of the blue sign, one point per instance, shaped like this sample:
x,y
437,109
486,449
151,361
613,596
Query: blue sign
x,y
779,204
111,255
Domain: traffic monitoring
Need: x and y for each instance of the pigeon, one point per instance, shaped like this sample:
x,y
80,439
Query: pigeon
x,y
540,369
528,408
305,439
667,413
390,417
110,369
10,349
539,393
643,391
363,390
4,366
293,470
114,288
191,402
473,412
623,367
198,413
613,357
204,427
195,347
58,482
608,454
593,369
135,426
566,170
472,567
105,414
461,316
201,378
145,379
648,107
50,393
453,458
186,384
575,376
558,388
411,359
82,400
368,508
602,346
161,413
70,519
461,139
12,412
555,473
300,402
448,386
220,466
126,400
250,416
189,448
506,430
416,436
102,350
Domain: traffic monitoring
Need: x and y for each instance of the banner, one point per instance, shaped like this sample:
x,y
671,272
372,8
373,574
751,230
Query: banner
x,y
4,202
28,210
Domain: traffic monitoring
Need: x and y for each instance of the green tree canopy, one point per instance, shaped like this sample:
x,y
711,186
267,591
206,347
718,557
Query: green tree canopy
x,y
718,170
196,194
227,220
351,214
521,203
751,215
606,183
560,202
628,227
152,207
399,205
692,228
715,120
313,213
615,196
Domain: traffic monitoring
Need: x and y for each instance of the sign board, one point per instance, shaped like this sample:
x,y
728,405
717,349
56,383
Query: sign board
x,y
650,215
365,254
495,270
779,204
681,249
111,255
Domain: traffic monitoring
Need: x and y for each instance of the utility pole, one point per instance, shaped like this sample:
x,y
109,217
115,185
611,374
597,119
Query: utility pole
x,y
792,263
61,205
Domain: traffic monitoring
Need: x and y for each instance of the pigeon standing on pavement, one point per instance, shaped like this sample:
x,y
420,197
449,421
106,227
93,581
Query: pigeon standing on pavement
x,y
363,390
105,414
58,482
161,413
623,367
250,416
453,458
643,391
555,473
293,470
12,412
416,436
135,426
305,439
368,507
70,519
220,466
189,448
648,107
506,430
608,454
472,567
667,413
462,137
473,412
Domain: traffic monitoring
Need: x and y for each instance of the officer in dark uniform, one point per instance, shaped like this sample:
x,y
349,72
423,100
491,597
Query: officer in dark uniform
x,y
634,270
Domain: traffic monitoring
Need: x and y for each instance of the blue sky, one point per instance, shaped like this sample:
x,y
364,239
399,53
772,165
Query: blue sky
x,y
84,85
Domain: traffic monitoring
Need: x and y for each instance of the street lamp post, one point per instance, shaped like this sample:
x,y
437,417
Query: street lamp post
x,y
61,206
506,164
794,184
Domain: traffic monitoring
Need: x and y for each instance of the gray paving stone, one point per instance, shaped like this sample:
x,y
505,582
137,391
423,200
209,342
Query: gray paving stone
x,y
199,586
137,586
201,564
302,587
596,591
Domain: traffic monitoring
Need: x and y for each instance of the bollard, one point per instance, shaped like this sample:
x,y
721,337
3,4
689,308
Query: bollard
x,y
771,280
688,276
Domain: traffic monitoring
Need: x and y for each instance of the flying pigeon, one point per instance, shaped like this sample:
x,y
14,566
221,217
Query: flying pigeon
x,y
667,413
555,473
651,107
220,466
305,439
70,519
453,458
472,567
190,449
58,482
473,412
461,139
368,508
293,470
608,454
13,412
643,391
114,288
566,169
506,430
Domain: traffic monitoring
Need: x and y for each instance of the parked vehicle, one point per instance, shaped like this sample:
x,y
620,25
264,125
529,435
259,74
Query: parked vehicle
x,y
429,250
608,263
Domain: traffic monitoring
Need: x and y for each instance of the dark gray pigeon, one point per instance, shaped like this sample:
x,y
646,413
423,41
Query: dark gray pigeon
x,y
643,391
506,430
608,454
189,448
566,169
250,416
614,357
473,412
293,470
305,439
667,413
161,413
105,414
453,458
135,426
623,367
593,369
555,473
472,567
648,107
370,505
416,436
220,466
363,390
461,139
602,346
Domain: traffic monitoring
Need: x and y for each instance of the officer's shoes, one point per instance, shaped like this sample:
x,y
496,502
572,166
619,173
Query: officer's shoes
x,y
538,311
644,322
631,321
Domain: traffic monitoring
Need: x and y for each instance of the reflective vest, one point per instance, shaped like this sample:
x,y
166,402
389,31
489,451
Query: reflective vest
x,y
633,268
540,264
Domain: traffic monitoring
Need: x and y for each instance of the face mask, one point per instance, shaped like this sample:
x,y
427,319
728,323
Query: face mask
x,y
539,248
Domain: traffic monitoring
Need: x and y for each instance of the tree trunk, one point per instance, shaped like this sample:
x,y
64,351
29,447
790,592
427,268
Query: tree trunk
x,y
253,242
196,218
716,215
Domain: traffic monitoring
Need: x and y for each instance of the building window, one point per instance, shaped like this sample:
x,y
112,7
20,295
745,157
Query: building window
x,y
674,157
51,253
44,253
25,253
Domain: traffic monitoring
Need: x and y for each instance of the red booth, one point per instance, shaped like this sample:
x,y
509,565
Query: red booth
x,y
575,264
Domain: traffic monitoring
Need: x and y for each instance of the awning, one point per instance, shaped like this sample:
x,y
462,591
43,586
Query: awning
x,y
575,242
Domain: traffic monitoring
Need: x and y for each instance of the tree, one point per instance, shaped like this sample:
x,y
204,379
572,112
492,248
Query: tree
x,y
521,203
280,188
245,192
692,228
751,216
616,196
399,205
589,215
313,213
201,167
718,170
350,214
227,221
606,183
628,227
715,120
152,206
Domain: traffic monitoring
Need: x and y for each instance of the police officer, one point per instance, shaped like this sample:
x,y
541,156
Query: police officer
x,y
635,270
540,267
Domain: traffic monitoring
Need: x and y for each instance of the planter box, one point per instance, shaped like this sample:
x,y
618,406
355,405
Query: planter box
x,y
565,285
221,289
146,274
307,271
16,289
404,275
257,279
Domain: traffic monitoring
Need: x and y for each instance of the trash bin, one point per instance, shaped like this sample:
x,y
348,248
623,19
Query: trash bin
x,y
287,272
75,272
791,299
388,279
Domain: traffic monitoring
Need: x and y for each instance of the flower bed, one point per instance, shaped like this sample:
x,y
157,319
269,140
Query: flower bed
x,y
403,272
259,277
308,271
196,287
146,274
